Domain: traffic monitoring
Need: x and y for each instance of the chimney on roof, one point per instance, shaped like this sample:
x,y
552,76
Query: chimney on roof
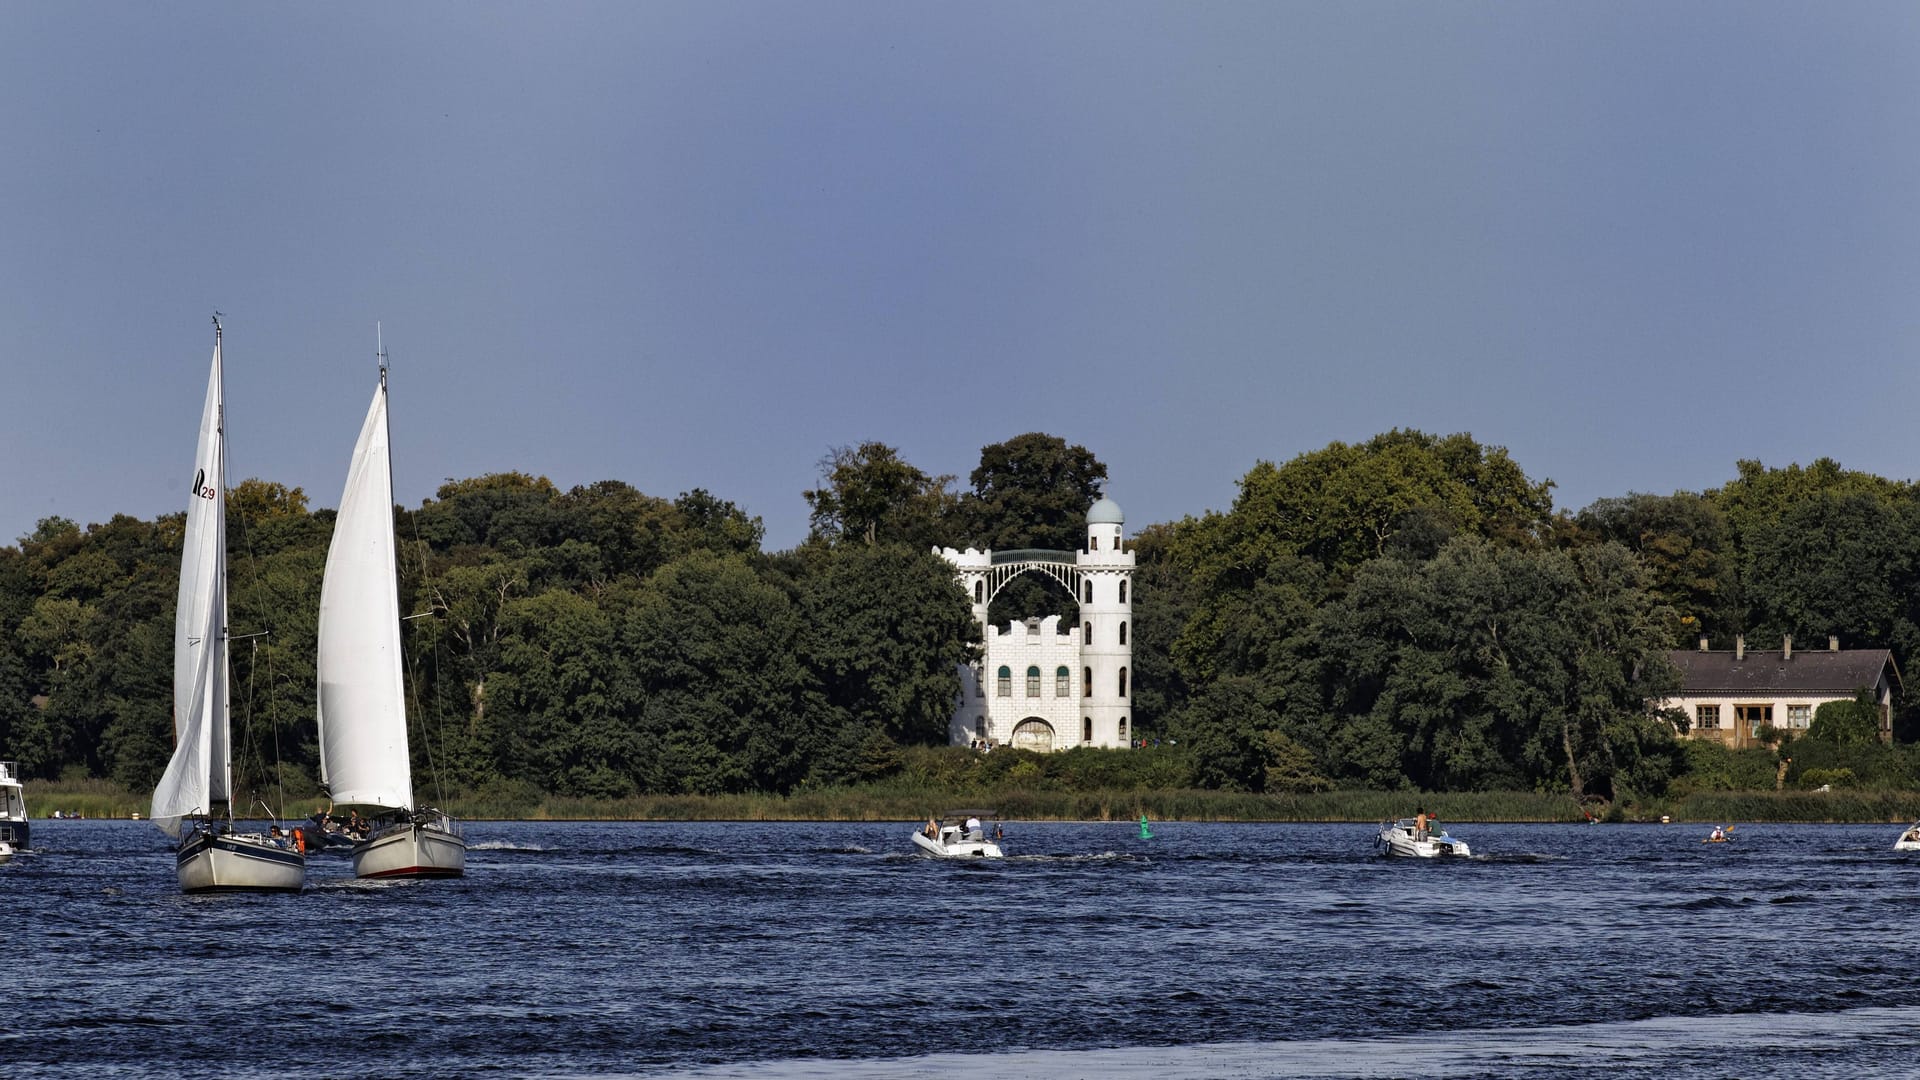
x,y
1833,642
1786,646
1739,647
1703,643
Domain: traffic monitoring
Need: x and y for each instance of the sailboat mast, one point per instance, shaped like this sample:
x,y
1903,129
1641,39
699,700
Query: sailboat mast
x,y
223,718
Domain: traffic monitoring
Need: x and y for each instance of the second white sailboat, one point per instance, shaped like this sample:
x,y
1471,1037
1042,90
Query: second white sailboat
x,y
364,757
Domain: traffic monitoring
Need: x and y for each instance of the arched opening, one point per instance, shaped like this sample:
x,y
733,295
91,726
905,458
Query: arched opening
x,y
979,592
1062,680
1123,682
1033,733
1086,634
1123,590
980,728
1093,543
1086,684
1086,729
1033,682
1123,633
1006,681
1123,729
1087,591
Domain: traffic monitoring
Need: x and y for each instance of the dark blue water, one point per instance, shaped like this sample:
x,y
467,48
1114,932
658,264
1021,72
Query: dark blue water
x,y
828,950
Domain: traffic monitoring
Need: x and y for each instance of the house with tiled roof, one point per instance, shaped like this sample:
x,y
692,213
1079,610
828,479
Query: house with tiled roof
x,y
1727,694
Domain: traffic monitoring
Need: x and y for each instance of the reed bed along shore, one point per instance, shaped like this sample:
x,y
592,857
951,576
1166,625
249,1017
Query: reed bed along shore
x,y
102,799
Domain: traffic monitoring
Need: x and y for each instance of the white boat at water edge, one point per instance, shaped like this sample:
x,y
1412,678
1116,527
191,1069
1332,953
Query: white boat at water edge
x,y
14,829
1909,838
364,760
959,835
193,802
1407,838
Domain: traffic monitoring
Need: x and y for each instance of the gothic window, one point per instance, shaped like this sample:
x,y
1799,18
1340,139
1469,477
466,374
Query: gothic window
x,y
1088,593
1086,635
1123,633
1086,684
1006,681
1123,590
979,592
1061,680
1123,682
1033,682
1086,729
1123,729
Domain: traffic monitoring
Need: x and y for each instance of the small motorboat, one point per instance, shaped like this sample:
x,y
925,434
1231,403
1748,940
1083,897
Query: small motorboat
x,y
959,835
1405,837
6,852
1909,839
14,827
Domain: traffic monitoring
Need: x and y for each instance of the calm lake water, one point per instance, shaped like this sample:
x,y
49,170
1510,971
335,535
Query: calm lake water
x,y
793,950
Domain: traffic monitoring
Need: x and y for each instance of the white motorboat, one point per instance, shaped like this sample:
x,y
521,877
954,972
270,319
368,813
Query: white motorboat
x,y
1909,839
959,836
6,852
13,808
197,786
1407,838
364,758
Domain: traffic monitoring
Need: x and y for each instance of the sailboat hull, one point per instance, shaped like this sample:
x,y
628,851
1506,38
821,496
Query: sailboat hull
x,y
411,850
230,862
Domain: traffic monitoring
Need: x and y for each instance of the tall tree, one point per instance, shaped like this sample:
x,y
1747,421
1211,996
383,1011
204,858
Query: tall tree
x,y
885,631
869,494
1032,491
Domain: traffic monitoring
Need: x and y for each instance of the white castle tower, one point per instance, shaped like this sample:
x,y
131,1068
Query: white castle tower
x,y
1038,685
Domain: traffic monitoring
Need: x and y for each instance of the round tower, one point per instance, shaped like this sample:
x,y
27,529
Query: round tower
x,y
1106,629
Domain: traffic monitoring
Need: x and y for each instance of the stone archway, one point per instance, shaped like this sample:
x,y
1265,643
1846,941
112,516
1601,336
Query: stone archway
x,y
1032,733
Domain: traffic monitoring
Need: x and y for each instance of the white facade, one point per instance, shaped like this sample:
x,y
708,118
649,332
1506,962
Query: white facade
x,y
1039,685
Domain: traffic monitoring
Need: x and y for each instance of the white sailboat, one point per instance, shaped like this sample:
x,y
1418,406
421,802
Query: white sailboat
x,y
198,782
362,708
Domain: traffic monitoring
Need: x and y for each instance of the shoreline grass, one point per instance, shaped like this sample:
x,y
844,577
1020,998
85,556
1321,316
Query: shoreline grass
x,y
102,799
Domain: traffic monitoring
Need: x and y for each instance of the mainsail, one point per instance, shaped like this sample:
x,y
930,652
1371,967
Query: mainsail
x,y
198,775
362,710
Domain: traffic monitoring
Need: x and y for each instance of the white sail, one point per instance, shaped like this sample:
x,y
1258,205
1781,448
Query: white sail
x,y
198,773
362,709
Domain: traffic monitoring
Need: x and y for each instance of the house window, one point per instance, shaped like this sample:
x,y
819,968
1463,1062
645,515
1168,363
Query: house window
x,y
1123,633
1086,729
1006,681
1086,684
1748,717
1123,590
1033,682
1799,716
1062,680
1706,717
1123,682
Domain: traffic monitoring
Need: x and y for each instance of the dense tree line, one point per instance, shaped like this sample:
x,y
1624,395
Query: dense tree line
x,y
1410,611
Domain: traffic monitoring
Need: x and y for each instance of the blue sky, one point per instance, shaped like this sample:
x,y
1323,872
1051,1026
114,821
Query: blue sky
x,y
699,245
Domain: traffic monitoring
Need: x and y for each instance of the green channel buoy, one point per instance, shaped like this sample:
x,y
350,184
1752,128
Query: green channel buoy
x,y
1145,833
